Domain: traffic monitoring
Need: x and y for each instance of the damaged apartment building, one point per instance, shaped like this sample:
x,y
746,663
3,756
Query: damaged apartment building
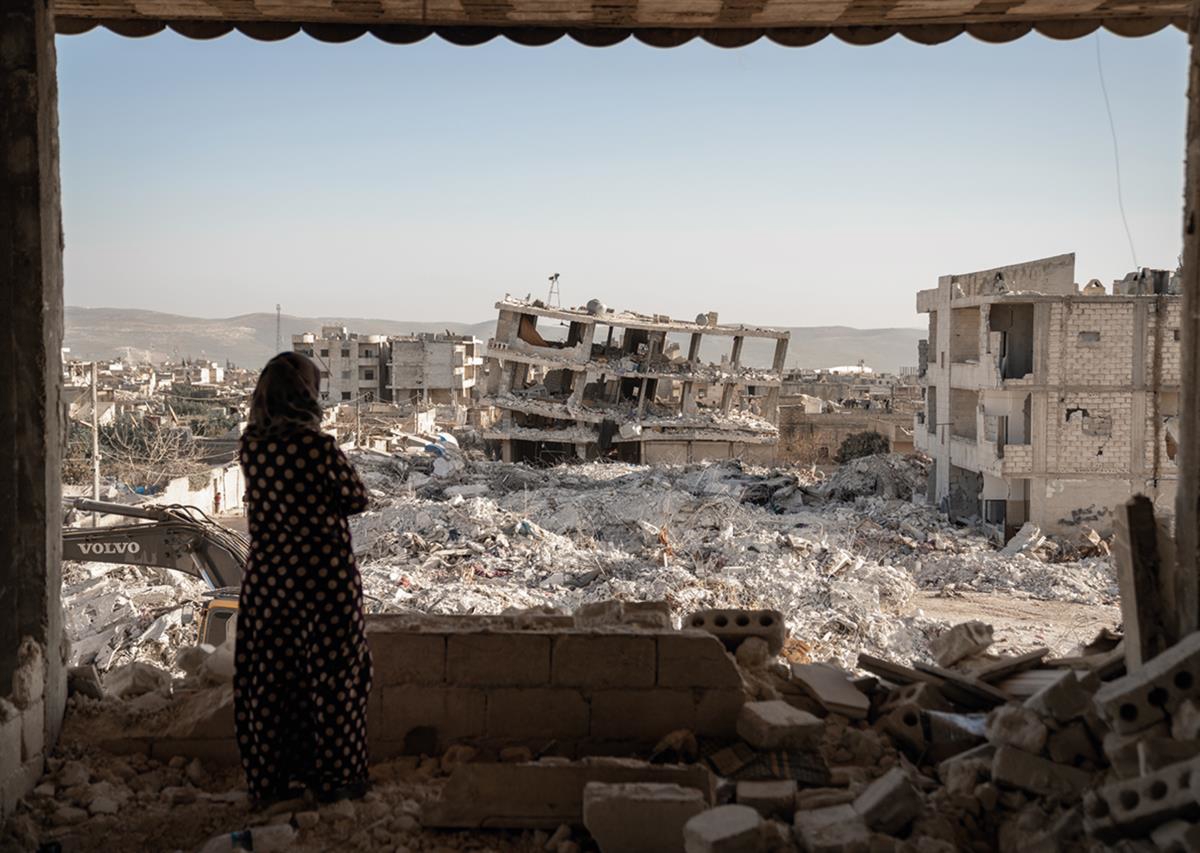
x,y
441,368
630,386
1048,403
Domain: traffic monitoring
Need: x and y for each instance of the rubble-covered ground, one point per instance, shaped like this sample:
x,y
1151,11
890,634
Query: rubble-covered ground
x,y
850,559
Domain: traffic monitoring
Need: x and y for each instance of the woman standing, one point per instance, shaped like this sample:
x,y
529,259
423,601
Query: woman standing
x,y
302,666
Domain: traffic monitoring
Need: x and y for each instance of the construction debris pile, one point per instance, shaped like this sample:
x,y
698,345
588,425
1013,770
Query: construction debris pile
x,y
841,557
975,752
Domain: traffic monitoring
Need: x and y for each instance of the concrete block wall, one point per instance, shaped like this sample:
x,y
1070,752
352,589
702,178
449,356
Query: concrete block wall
x,y
1108,361
23,729
1071,443
583,691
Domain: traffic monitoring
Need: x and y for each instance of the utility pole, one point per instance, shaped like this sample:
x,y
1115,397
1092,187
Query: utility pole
x,y
357,422
278,329
95,441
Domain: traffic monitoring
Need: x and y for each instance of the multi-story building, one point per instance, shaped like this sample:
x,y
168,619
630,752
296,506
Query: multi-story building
x,y
1047,404
433,368
352,365
618,386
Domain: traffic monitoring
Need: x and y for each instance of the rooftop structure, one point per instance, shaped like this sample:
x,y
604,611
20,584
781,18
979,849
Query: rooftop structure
x,y
1049,405
620,383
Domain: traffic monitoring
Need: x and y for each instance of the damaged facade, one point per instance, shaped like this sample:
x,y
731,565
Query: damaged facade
x,y
621,383
1049,405
433,368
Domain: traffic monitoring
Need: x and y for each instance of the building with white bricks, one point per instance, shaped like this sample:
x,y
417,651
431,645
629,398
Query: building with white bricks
x,y
1049,404
352,365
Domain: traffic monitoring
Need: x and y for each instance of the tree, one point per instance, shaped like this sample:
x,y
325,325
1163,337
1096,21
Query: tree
x,y
860,444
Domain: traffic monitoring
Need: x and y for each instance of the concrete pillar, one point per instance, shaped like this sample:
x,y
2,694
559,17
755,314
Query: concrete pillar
x,y
31,326
1184,583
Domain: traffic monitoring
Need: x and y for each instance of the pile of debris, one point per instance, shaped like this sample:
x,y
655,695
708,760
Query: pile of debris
x,y
974,752
843,557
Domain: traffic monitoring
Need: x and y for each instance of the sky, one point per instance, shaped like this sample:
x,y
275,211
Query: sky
x,y
787,186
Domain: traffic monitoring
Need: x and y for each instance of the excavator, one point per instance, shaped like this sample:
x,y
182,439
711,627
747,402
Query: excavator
x,y
181,538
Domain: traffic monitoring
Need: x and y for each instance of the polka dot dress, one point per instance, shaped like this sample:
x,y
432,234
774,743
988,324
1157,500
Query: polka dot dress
x,y
302,666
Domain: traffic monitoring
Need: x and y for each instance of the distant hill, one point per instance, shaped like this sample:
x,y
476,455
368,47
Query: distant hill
x,y
249,340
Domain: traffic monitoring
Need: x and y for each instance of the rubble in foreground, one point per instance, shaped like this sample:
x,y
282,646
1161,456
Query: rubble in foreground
x,y
842,557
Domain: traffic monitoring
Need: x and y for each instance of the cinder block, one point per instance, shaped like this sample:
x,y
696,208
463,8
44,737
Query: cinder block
x,y
499,660
1144,697
963,640
725,829
778,725
407,657
33,731
770,798
455,712
695,659
1064,699
639,817
642,714
717,712
890,803
1034,774
733,626
10,741
603,660
1133,807
541,712
832,829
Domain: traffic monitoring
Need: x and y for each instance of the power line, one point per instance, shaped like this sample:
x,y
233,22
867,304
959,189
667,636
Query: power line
x,y
1116,152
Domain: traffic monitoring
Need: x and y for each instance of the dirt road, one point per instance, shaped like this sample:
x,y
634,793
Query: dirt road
x,y
1021,623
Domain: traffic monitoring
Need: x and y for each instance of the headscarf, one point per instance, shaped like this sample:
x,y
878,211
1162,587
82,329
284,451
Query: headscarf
x,y
285,398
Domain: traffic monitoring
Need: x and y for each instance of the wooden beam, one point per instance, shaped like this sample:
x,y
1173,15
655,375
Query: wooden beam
x,y
1183,579
1140,577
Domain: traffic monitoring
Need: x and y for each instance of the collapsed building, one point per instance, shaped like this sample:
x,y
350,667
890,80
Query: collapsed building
x,y
1049,405
620,384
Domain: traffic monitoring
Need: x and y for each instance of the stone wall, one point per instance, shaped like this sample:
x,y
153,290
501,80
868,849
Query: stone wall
x,y
495,682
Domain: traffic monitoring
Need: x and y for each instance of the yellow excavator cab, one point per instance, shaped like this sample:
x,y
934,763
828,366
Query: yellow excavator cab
x,y
220,607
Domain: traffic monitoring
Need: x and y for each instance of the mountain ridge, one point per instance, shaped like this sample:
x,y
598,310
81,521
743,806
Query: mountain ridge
x,y
249,339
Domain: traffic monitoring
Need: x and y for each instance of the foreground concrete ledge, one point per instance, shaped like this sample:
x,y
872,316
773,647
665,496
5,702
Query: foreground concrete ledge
x,y
545,794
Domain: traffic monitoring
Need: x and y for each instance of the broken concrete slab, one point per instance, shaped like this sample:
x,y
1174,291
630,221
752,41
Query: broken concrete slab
x,y
834,829
725,829
1013,725
1007,667
890,803
777,725
544,794
770,798
1066,698
1018,769
832,688
639,817
963,640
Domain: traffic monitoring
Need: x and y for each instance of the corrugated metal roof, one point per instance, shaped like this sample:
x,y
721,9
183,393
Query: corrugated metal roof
x,y
598,23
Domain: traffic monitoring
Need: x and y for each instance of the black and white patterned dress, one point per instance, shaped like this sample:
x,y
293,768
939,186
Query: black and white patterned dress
x,y
303,669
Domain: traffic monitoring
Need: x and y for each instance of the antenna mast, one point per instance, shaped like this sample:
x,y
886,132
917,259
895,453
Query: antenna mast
x,y
278,330
553,299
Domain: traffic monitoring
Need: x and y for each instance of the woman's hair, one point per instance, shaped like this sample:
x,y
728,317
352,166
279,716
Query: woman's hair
x,y
285,398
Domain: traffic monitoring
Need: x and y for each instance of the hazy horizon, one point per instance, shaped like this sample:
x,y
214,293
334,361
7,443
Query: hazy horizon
x,y
790,187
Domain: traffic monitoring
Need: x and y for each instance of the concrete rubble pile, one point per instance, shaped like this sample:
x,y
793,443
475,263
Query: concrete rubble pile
x,y
960,749
841,557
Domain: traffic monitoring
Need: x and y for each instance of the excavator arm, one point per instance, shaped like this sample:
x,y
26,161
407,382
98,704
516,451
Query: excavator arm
x,y
172,537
